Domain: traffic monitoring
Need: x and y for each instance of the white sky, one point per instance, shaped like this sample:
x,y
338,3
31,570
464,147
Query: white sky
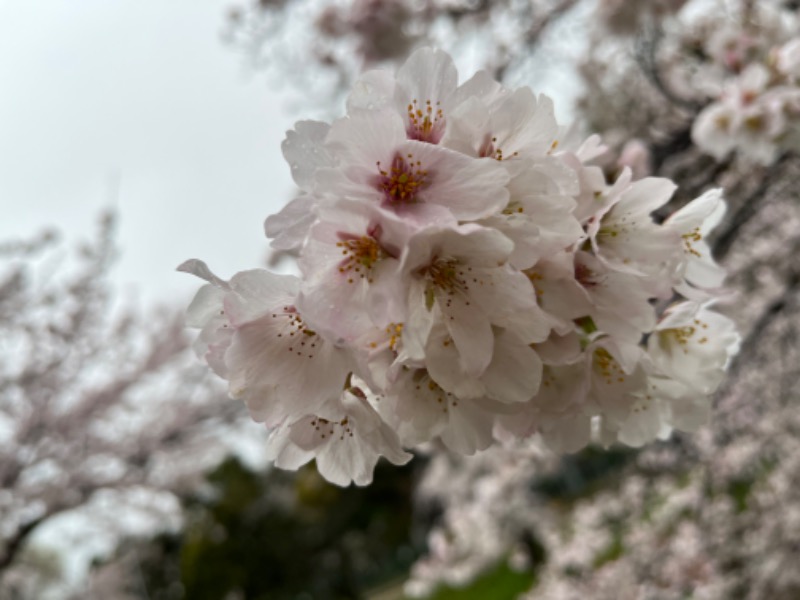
x,y
141,92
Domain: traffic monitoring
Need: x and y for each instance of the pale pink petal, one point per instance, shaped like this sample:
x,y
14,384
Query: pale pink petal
x,y
471,333
469,429
206,304
303,149
515,373
199,269
257,292
373,90
289,227
269,361
643,423
568,435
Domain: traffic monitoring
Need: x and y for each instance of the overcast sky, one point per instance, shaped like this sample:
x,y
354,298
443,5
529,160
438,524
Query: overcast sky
x,y
144,93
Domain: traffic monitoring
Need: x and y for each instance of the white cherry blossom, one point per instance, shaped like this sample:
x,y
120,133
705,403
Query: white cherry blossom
x,y
304,151
348,265
513,375
515,125
538,217
620,301
424,93
258,307
617,382
421,410
419,181
693,345
345,436
700,272
626,239
462,271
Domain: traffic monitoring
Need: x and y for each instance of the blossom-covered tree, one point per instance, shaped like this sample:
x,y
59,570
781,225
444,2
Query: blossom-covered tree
x,y
607,319
101,406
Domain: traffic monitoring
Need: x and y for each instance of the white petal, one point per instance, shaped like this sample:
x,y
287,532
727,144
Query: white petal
x,y
469,429
568,435
373,90
428,74
206,304
345,463
257,292
289,227
481,86
198,268
283,452
269,362
471,333
645,196
365,138
515,373
524,123
471,188
303,149
643,424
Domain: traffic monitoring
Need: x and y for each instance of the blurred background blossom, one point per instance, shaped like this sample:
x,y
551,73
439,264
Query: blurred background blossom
x,y
125,471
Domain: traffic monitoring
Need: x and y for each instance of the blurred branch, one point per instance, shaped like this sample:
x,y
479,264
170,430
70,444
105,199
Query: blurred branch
x,y
646,50
15,542
774,183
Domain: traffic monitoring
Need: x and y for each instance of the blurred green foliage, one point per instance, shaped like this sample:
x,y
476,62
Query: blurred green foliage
x,y
285,536
500,583
293,536
585,472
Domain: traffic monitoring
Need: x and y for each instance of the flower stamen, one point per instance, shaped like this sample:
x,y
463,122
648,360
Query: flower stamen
x,y
489,150
360,254
425,124
306,340
404,179
691,238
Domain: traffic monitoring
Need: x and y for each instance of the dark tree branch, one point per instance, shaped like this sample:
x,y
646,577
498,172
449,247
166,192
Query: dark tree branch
x,y
646,48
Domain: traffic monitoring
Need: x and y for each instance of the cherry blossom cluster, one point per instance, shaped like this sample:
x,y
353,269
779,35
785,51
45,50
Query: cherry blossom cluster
x,y
467,275
754,64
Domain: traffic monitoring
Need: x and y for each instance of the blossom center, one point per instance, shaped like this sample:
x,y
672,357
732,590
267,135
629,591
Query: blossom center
x,y
359,256
330,429
607,367
427,387
683,335
395,332
425,124
404,179
691,238
585,276
448,276
489,149
445,275
722,122
513,208
611,229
